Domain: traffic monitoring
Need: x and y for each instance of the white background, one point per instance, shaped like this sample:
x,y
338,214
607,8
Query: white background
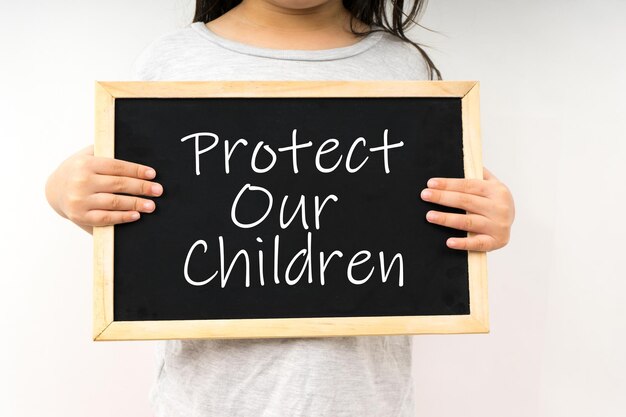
x,y
553,114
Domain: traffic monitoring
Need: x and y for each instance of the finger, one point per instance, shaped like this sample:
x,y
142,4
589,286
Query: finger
x,y
468,222
126,185
455,199
108,217
115,202
117,167
480,243
463,185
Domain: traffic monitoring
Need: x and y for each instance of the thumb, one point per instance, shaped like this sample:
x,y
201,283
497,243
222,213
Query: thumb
x,y
86,151
488,175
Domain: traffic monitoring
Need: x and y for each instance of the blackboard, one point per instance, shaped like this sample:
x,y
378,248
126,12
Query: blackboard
x,y
288,211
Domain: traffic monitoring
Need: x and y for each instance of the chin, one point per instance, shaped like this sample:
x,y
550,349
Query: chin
x,y
298,4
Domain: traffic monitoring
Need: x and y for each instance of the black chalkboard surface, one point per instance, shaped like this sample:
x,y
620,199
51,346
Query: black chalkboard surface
x,y
288,214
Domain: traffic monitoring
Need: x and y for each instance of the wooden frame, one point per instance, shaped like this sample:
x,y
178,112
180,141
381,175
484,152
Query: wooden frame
x,y
106,328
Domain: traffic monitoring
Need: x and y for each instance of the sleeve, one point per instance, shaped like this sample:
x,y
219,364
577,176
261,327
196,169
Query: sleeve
x,y
149,64
144,68
415,62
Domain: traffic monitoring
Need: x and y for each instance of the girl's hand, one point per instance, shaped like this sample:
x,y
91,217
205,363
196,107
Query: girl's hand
x,y
86,190
489,206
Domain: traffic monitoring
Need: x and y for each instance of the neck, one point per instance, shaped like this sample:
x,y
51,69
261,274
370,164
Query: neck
x,y
268,15
318,24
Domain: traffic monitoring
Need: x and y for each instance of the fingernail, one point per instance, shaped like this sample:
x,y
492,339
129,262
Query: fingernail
x,y
150,173
134,216
431,216
157,189
452,242
148,205
433,183
426,194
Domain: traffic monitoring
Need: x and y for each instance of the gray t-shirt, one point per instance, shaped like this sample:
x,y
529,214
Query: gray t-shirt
x,y
367,376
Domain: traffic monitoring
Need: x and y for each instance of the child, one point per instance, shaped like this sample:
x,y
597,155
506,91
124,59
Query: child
x,y
282,40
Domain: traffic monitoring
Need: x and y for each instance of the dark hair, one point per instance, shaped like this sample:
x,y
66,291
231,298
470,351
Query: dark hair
x,y
370,12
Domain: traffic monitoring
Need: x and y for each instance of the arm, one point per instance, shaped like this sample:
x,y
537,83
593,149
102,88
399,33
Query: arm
x,y
94,191
489,206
